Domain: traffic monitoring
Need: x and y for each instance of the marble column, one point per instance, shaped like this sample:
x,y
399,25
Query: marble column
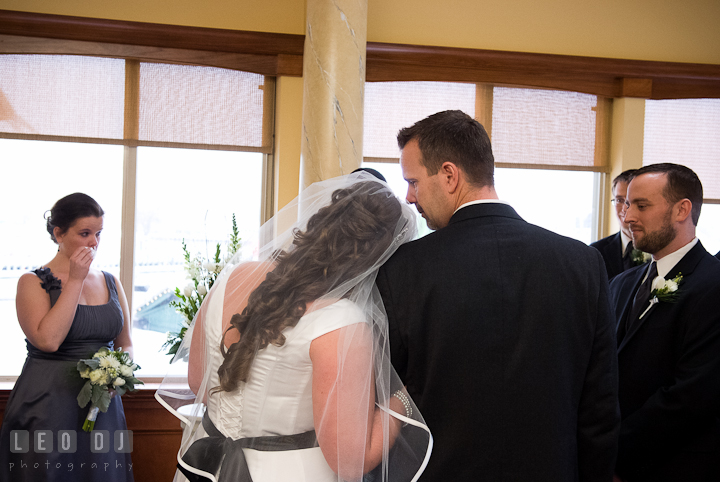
x,y
333,89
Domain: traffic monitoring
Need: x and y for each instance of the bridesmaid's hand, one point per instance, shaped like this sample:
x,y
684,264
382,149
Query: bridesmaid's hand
x,y
80,263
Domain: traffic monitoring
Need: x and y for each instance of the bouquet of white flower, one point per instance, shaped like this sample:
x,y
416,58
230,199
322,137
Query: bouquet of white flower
x,y
106,370
201,277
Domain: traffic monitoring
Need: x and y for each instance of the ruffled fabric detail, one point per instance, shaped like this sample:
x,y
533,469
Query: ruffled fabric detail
x,y
48,280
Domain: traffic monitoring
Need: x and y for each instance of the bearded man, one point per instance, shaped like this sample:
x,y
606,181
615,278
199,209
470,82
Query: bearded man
x,y
668,333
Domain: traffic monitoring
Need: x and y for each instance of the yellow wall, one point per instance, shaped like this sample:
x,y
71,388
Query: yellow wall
x,y
280,16
677,31
674,31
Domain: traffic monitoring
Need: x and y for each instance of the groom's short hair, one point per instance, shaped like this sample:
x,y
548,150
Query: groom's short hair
x,y
453,136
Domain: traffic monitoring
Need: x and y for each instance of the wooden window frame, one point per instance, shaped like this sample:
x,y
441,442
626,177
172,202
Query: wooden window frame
x,y
275,54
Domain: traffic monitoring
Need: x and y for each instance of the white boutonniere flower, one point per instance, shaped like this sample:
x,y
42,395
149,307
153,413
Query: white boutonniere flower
x,y
663,290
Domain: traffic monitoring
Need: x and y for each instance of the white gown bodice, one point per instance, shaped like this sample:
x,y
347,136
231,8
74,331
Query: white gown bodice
x,y
277,398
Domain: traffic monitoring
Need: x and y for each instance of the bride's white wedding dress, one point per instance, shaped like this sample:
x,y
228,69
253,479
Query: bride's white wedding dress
x,y
324,249
277,399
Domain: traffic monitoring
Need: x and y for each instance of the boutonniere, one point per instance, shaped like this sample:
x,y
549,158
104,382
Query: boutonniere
x,y
640,257
664,290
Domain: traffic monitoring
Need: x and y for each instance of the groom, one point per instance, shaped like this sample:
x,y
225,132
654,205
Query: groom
x,y
501,330
669,348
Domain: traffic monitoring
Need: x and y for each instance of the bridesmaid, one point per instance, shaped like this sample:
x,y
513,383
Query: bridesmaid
x,y
67,310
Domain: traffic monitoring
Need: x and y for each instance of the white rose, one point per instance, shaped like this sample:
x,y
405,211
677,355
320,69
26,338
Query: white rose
x,y
209,266
220,266
202,291
98,377
126,371
658,283
119,382
672,286
188,290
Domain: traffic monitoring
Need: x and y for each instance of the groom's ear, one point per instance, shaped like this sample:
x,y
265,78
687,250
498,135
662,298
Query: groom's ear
x,y
450,175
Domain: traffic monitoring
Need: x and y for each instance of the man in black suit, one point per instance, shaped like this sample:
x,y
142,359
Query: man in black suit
x,y
501,330
668,335
617,249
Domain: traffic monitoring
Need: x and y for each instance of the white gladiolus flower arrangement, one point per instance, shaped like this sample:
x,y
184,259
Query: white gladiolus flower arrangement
x,y
201,277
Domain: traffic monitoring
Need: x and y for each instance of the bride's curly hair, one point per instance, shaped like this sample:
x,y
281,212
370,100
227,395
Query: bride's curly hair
x,y
341,241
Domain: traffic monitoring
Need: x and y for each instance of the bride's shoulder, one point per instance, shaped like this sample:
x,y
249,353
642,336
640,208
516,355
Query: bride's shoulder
x,y
248,270
341,311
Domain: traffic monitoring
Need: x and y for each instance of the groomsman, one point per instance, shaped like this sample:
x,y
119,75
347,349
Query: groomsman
x,y
617,249
501,330
668,315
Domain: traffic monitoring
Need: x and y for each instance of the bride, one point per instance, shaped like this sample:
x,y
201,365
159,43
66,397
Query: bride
x,y
285,373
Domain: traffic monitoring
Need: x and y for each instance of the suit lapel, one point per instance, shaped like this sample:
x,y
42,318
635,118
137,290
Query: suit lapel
x,y
622,321
685,267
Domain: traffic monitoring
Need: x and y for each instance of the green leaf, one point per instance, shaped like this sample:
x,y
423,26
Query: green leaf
x,y
120,391
97,392
85,393
103,402
217,253
135,381
90,363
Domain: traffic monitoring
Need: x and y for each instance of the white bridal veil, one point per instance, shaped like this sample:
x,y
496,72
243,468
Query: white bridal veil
x,y
305,359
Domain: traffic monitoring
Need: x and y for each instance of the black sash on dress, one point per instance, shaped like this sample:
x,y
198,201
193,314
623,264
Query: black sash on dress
x,y
223,456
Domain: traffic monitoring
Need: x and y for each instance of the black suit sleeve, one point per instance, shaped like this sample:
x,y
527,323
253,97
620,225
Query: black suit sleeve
x,y
598,411
398,346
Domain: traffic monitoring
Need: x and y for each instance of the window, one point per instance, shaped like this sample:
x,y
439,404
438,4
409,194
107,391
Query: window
x,y
35,175
182,147
550,146
687,132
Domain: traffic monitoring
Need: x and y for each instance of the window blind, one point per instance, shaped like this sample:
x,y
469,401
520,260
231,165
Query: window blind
x,y
546,128
84,99
529,128
687,132
390,106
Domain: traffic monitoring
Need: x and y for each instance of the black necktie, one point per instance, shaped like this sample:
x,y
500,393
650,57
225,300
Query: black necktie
x,y
627,257
640,303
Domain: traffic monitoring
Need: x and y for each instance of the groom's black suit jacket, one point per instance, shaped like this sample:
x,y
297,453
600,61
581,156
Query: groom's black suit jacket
x,y
611,250
669,363
503,334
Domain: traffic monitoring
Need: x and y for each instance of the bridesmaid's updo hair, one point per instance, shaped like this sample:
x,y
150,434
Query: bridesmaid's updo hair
x,y
69,209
